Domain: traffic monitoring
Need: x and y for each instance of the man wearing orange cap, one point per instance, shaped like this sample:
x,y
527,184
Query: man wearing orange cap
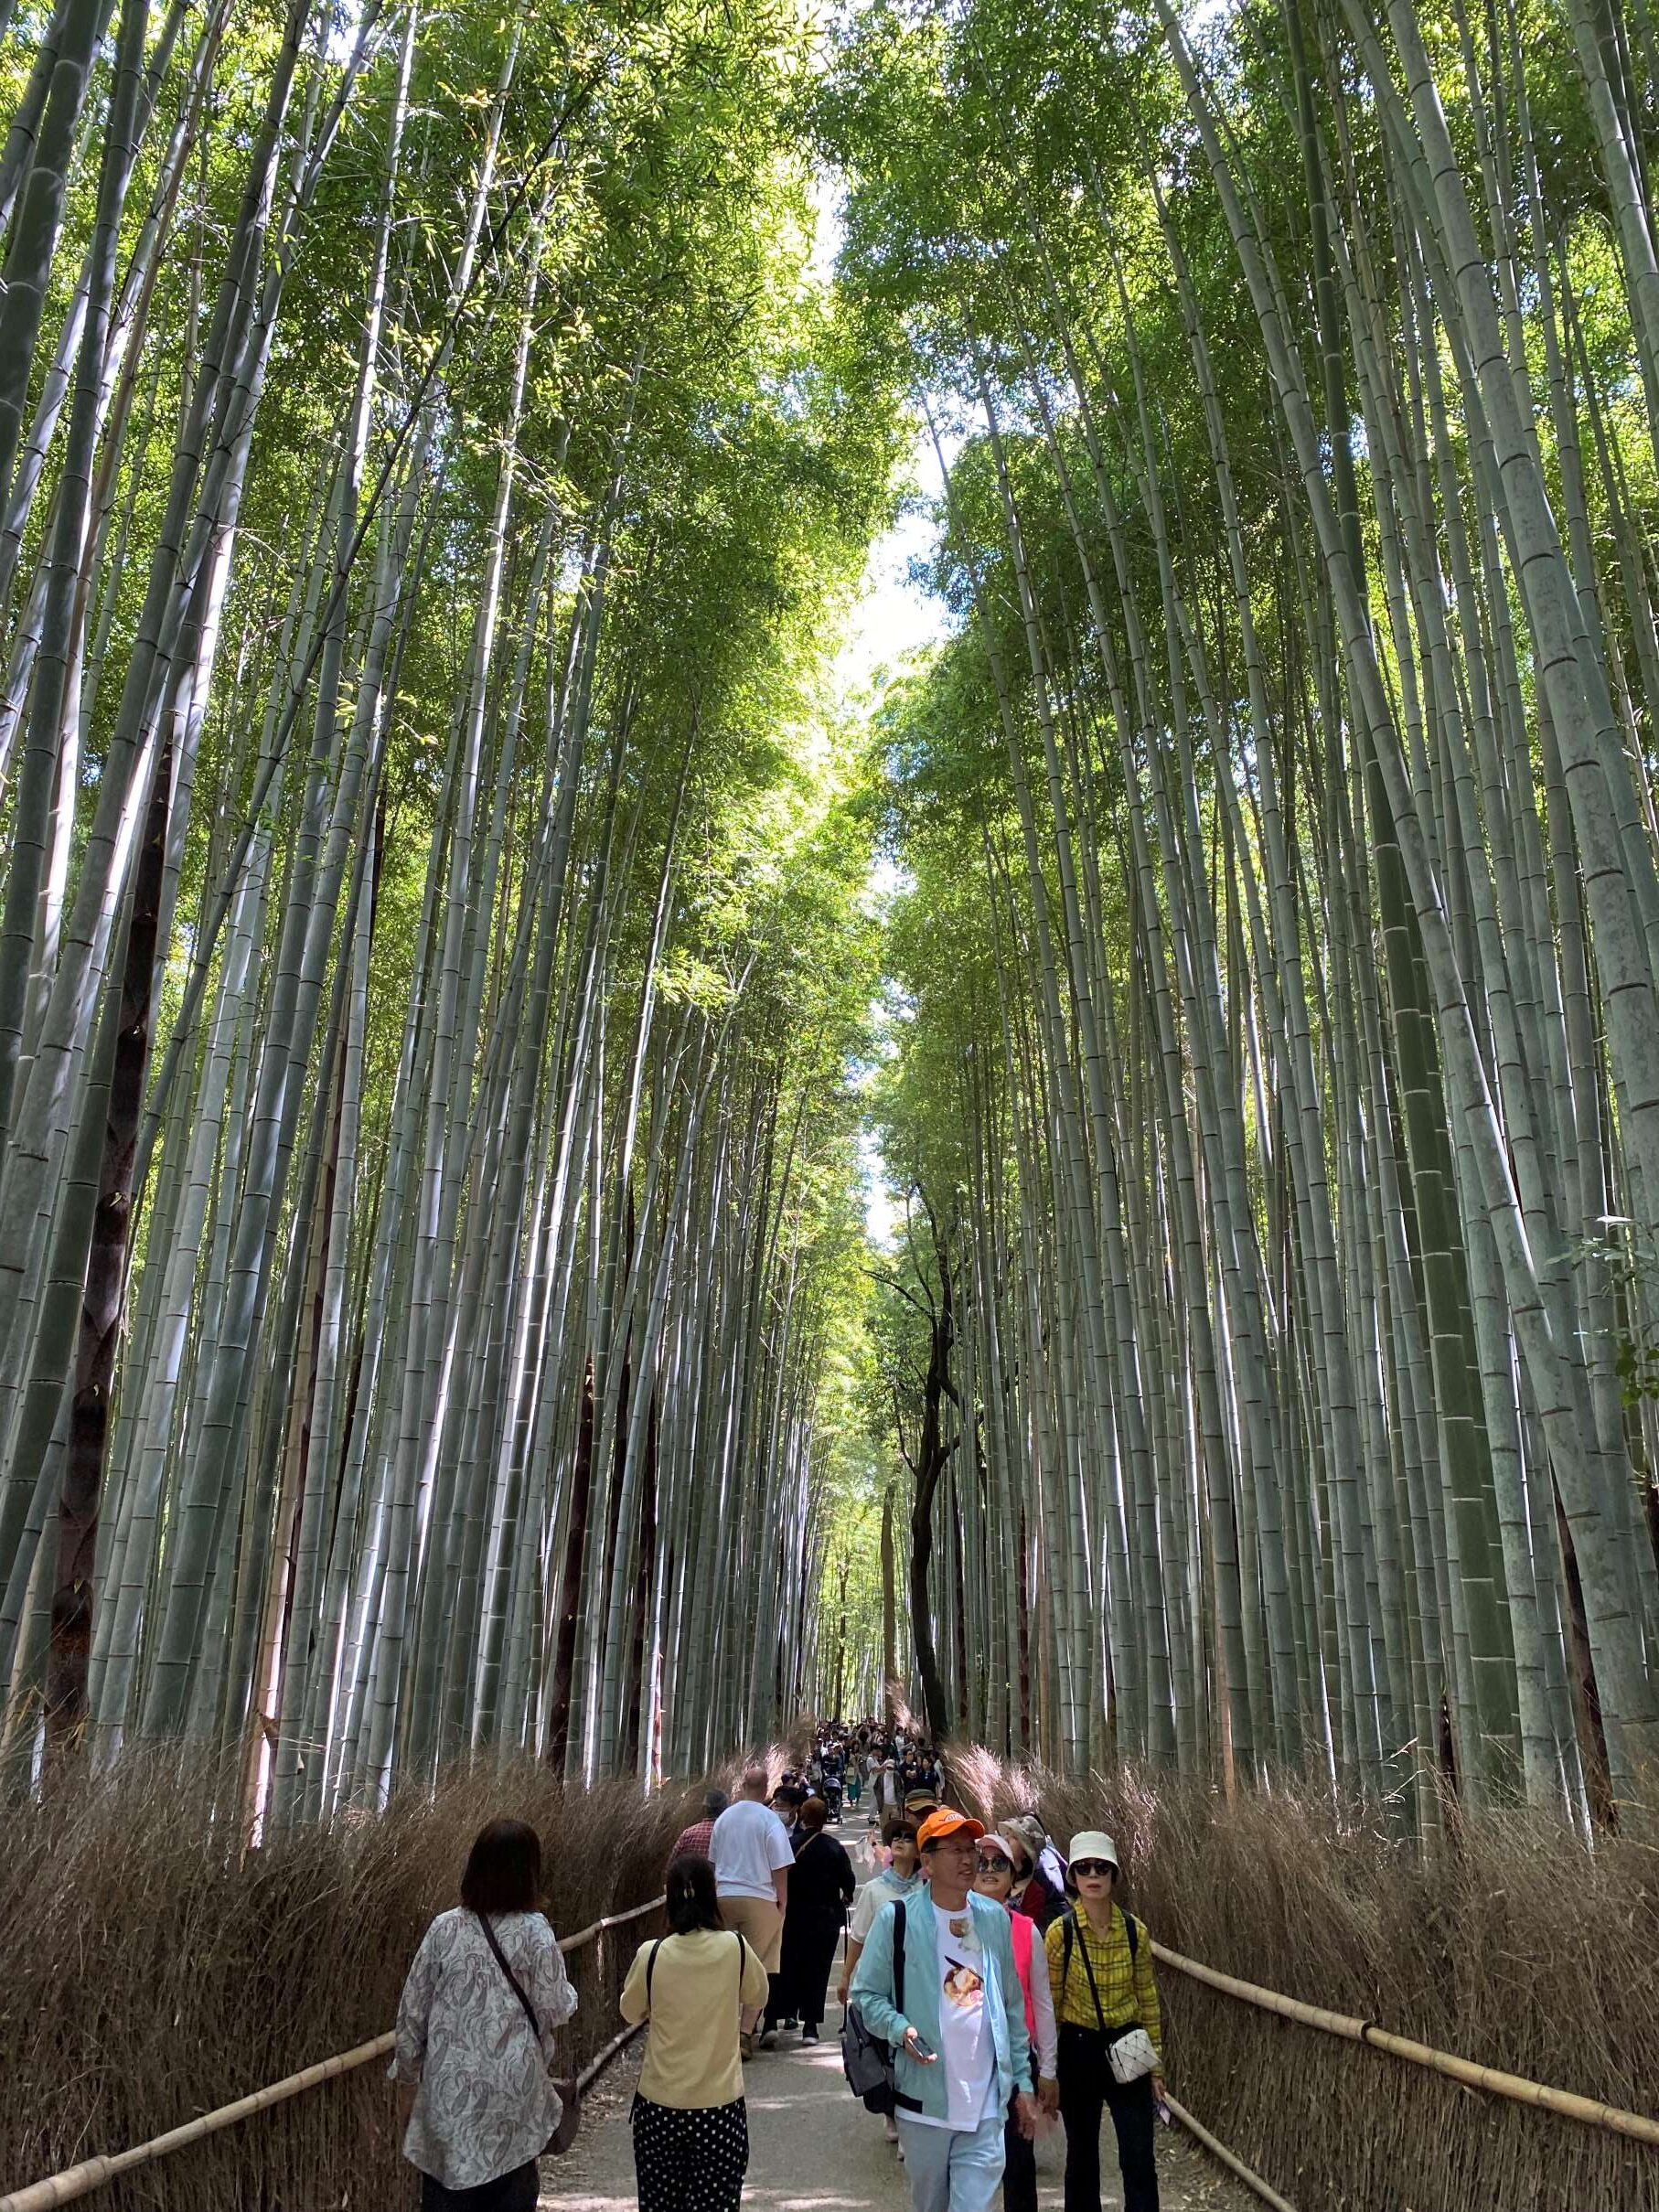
x,y
962,2052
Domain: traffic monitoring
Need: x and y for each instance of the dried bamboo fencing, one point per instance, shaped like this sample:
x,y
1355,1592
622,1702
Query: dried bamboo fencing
x,y
1492,2078
93,2172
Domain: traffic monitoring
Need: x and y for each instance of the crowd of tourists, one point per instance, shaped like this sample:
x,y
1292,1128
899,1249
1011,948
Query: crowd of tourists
x,y
989,1987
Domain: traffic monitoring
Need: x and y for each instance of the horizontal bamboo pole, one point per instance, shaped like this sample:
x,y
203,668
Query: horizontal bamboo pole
x,y
1230,2159
585,1935
1491,2078
92,2172
601,2059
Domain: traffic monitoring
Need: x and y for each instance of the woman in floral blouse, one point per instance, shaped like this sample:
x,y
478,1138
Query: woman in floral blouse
x,y
475,2103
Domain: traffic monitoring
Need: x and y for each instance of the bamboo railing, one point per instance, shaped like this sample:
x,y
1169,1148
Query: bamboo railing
x,y
93,2172
1230,2159
1586,2109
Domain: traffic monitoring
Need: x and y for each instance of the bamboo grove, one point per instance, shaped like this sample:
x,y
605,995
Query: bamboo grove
x,y
1273,1331
436,939
432,941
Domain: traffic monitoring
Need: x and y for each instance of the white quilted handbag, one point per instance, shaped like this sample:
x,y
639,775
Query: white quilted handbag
x,y
1132,2055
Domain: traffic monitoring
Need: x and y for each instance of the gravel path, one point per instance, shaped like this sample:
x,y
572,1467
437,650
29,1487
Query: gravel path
x,y
812,2149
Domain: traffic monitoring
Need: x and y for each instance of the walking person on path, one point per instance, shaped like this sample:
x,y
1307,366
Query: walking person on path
x,y
900,1879
1038,1897
693,1842
962,2052
821,1887
690,2121
995,1880
889,1795
786,1801
752,1857
1100,1969
476,2102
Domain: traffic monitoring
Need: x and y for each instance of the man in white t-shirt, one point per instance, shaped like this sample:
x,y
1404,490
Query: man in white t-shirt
x,y
962,2055
752,1854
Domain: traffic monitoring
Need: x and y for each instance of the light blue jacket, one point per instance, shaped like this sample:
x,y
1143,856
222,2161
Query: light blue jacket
x,y
871,1991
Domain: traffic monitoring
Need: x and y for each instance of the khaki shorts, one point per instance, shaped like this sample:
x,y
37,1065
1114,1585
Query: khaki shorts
x,y
760,1922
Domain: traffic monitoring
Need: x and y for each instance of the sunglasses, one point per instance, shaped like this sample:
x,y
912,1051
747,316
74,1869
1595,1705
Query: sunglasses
x,y
992,1861
1089,1866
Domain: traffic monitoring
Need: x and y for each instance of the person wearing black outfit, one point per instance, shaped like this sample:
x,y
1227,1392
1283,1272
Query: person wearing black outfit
x,y
821,1887
786,1801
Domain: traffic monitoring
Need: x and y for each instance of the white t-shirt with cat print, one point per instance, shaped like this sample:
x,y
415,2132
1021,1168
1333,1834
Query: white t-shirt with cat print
x,y
968,2050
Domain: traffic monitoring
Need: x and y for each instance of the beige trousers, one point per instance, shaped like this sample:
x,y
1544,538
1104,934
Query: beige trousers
x,y
759,1921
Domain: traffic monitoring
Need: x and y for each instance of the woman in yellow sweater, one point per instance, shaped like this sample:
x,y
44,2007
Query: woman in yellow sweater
x,y
1100,1970
690,2124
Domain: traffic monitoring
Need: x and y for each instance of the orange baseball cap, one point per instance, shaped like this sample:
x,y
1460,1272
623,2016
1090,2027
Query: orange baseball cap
x,y
947,1822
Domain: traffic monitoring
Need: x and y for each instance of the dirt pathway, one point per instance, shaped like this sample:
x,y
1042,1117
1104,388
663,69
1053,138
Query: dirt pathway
x,y
812,2149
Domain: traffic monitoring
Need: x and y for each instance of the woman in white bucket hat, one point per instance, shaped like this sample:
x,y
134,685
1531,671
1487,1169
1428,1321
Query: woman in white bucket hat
x,y
1100,1970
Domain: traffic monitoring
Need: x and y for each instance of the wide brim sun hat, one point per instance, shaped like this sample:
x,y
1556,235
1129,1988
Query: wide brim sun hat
x,y
1026,1834
1094,1844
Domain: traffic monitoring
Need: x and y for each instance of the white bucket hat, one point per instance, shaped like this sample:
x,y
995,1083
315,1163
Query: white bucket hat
x,y
1094,1844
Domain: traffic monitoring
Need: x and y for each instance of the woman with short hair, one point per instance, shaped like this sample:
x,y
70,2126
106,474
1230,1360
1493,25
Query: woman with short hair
x,y
476,2104
689,2121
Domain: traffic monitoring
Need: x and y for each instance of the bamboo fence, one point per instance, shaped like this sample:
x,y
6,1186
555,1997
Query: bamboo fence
x,y
93,2172
1230,2159
1492,2078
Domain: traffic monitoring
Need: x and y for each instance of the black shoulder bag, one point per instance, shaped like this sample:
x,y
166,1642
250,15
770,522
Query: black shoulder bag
x,y
867,2060
568,2090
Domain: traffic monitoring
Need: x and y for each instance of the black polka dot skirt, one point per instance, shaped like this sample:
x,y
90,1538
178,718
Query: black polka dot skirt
x,y
691,2161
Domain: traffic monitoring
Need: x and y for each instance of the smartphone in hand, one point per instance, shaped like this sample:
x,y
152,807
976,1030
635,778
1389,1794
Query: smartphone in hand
x,y
921,2048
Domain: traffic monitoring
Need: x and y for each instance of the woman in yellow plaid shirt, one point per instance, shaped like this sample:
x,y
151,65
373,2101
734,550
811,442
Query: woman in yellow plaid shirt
x,y
1103,1986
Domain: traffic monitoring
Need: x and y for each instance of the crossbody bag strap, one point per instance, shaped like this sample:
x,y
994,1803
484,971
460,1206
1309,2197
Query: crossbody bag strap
x,y
1088,1968
899,2101
650,1968
529,2010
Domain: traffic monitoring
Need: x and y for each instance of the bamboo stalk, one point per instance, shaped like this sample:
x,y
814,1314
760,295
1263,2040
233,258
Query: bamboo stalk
x,y
1491,2078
